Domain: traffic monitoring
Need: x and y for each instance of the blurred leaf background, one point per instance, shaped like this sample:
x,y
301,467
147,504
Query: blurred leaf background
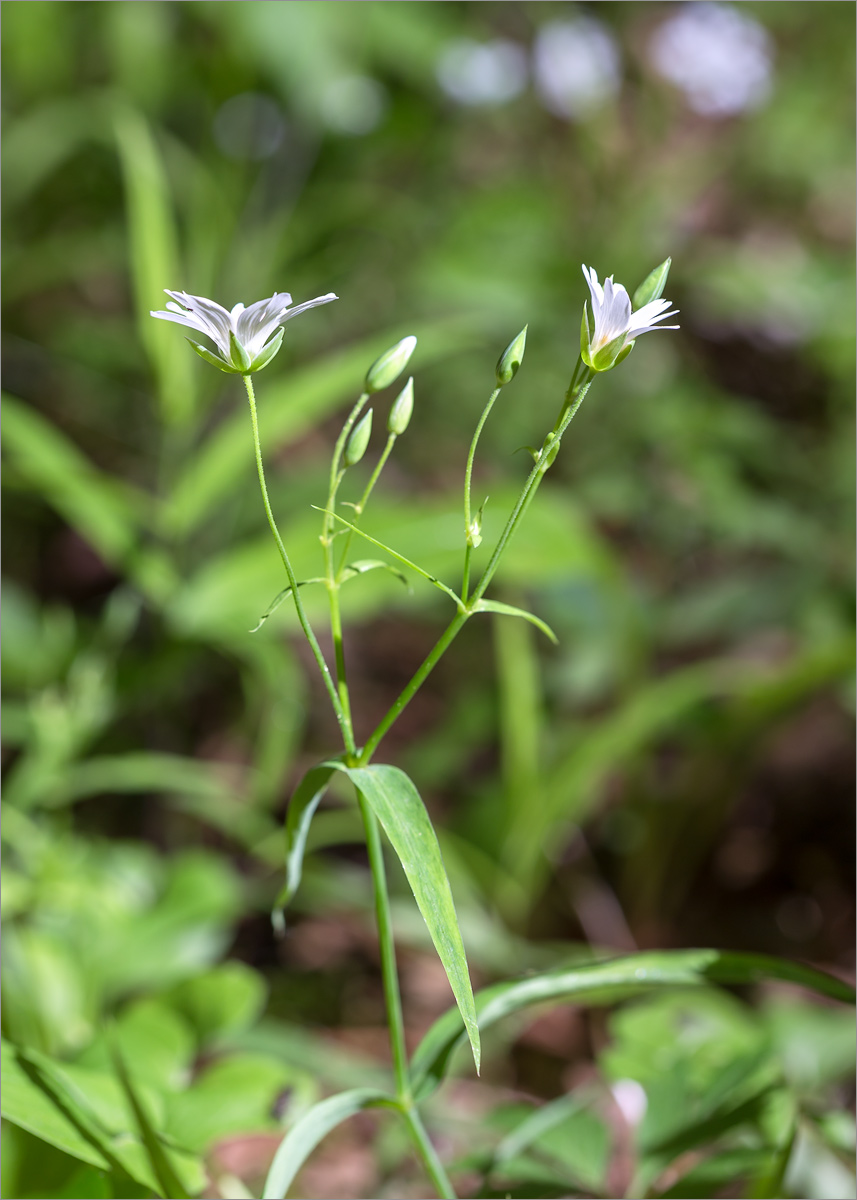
x,y
678,772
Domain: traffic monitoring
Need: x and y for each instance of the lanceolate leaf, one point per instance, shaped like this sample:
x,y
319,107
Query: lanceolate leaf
x,y
300,813
397,805
361,566
406,562
508,610
604,983
278,600
302,1138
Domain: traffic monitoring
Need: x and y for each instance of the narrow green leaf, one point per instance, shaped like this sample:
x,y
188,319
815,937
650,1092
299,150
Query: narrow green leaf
x,y
279,598
162,1168
398,557
301,811
397,805
26,1104
608,982
103,510
362,565
154,259
508,610
302,1138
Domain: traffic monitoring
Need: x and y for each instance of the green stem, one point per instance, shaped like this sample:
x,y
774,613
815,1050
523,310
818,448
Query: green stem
x,y
393,998
367,492
293,583
428,1154
389,972
441,645
468,473
465,575
336,473
573,399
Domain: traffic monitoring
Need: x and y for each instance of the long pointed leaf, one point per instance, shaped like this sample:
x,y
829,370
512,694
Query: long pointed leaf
x,y
314,1125
406,562
162,1168
608,982
398,806
508,610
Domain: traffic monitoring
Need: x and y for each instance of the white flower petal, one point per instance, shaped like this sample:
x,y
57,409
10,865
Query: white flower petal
x,y
299,308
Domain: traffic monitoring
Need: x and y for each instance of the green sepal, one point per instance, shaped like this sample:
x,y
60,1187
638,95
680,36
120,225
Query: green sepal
x,y
508,610
238,355
606,357
652,287
267,352
511,358
214,359
624,352
358,441
388,367
586,332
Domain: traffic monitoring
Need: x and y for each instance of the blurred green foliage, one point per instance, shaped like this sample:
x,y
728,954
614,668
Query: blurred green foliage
x,y
678,771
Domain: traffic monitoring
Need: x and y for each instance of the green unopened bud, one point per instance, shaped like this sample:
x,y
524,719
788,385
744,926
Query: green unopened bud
x,y
403,406
652,287
511,358
358,441
387,369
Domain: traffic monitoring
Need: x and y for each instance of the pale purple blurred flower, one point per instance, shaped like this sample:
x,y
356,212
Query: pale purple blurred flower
x,y
719,57
482,73
576,65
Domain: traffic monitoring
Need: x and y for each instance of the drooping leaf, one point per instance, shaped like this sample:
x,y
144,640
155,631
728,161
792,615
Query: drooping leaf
x,y
279,598
302,1138
508,610
301,811
398,806
362,565
608,982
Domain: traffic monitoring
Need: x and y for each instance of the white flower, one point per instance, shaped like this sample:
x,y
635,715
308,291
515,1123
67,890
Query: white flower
x,y
246,338
612,328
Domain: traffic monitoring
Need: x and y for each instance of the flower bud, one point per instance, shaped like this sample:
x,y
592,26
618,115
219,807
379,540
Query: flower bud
x,y
403,406
387,369
359,440
652,287
511,359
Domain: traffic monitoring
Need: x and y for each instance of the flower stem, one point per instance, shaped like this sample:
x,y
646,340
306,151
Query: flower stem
x,y
361,504
293,583
336,473
441,645
573,400
389,972
428,1154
